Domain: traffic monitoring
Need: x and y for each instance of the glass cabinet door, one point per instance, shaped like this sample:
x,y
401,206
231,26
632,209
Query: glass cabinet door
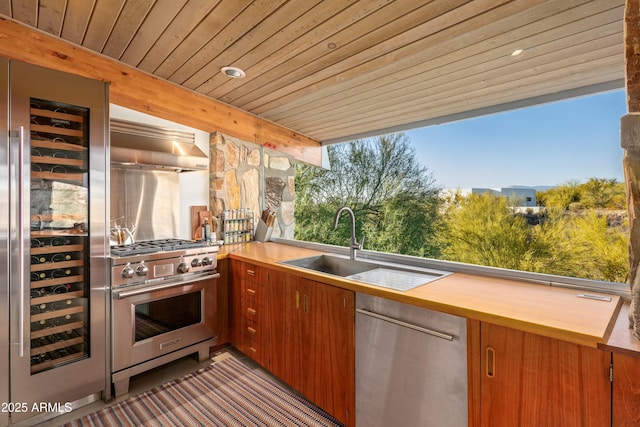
x,y
59,218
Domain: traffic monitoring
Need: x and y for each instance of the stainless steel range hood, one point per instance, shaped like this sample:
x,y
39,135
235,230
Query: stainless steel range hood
x,y
141,146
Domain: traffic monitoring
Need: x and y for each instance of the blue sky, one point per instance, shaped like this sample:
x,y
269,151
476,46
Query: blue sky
x,y
549,144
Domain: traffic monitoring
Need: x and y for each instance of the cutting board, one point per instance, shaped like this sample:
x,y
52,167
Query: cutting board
x,y
198,215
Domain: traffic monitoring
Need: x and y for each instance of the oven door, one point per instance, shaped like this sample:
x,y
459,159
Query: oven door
x,y
156,320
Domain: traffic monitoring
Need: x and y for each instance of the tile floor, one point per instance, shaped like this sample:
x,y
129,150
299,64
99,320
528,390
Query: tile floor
x,y
145,381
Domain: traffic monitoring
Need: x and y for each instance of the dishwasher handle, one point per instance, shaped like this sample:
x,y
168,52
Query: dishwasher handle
x,y
405,324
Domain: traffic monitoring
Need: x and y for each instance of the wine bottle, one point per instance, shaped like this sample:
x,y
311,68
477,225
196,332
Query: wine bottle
x,y
60,257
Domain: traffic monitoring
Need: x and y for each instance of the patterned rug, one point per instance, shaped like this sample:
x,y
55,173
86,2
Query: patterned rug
x,y
226,393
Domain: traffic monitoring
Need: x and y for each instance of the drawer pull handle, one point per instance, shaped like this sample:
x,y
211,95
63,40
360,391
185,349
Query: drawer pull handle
x,y
491,362
253,350
251,272
251,291
251,311
251,330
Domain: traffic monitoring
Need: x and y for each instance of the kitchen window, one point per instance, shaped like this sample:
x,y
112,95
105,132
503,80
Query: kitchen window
x,y
579,239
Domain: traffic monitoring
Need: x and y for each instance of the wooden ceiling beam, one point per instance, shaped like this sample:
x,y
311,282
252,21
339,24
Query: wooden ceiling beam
x,y
143,92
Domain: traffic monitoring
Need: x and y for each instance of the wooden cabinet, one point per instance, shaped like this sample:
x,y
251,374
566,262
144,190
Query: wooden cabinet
x,y
301,331
247,308
311,334
626,390
325,317
530,380
222,304
283,333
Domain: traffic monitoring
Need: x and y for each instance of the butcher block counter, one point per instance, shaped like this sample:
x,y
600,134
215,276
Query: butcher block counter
x,y
544,310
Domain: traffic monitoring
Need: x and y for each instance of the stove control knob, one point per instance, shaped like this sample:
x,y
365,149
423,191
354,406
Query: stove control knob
x,y
127,272
183,267
196,262
142,270
207,261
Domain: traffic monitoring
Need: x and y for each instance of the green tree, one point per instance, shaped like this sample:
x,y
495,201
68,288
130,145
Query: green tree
x,y
560,197
394,198
600,251
482,229
596,193
602,193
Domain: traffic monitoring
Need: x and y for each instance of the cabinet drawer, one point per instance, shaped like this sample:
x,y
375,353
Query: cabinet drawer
x,y
254,352
252,348
252,291
251,274
252,312
252,307
252,330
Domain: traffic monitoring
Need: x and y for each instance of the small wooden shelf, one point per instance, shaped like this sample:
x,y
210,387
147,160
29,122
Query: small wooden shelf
x,y
56,115
57,233
56,346
56,249
56,145
56,265
55,282
57,313
57,130
57,329
63,161
54,176
57,297
51,363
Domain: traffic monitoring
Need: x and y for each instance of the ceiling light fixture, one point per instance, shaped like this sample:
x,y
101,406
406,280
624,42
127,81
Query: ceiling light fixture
x,y
517,52
233,72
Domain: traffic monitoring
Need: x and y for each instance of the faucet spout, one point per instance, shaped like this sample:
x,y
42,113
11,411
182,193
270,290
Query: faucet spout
x,y
353,243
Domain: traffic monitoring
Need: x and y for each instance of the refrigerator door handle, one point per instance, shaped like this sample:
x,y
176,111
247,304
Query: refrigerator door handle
x,y
21,237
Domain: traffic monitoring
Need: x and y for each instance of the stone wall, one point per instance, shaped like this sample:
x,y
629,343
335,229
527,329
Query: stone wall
x,y
246,175
280,191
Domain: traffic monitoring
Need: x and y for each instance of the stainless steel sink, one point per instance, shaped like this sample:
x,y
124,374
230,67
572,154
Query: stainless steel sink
x,y
385,275
331,265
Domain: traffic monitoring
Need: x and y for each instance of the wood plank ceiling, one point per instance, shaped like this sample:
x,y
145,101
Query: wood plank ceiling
x,y
335,70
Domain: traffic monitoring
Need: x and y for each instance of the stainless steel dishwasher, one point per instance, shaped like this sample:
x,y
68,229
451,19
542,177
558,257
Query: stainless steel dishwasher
x,y
411,365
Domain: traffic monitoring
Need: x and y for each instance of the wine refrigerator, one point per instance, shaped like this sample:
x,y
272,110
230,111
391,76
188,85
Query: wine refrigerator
x,y
53,246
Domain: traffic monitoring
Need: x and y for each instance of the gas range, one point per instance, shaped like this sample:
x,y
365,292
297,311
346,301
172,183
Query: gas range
x,y
148,262
163,305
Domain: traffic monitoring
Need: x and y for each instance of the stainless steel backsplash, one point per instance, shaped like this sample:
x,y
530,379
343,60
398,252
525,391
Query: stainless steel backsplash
x,y
149,199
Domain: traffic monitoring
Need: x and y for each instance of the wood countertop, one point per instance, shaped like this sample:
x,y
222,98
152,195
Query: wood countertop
x,y
545,310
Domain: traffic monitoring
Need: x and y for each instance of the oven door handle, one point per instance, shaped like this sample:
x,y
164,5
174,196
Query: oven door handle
x,y
126,294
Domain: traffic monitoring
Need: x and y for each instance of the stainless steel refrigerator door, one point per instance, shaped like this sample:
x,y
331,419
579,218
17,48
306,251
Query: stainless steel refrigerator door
x,y
4,240
41,393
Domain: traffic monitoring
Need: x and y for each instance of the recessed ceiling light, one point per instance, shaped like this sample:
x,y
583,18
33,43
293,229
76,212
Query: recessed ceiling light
x,y
233,72
517,52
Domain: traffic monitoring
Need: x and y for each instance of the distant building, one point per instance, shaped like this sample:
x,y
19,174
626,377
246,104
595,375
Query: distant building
x,y
520,196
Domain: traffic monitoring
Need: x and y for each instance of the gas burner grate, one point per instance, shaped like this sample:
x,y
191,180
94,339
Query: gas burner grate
x,y
154,246
172,244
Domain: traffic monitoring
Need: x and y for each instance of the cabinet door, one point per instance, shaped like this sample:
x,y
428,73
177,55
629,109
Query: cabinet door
x,y
327,321
235,304
222,302
282,329
626,390
530,380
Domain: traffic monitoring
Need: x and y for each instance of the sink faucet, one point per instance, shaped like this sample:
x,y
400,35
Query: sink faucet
x,y
353,243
